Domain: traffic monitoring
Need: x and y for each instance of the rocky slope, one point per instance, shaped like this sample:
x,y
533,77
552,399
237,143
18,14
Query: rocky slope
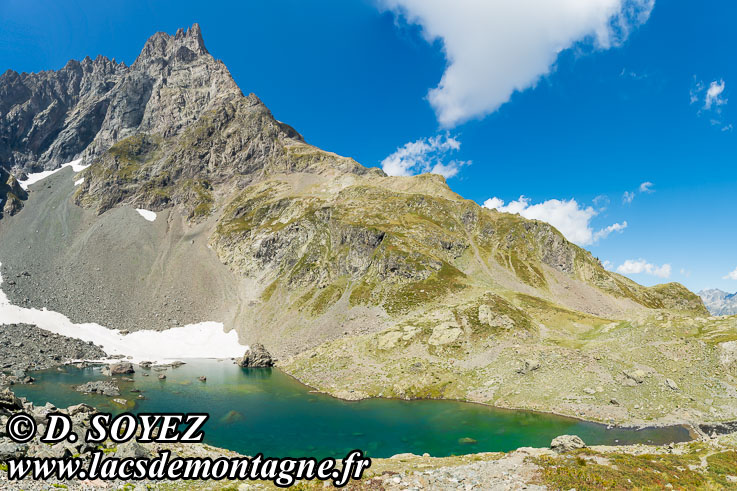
x,y
719,302
24,347
362,284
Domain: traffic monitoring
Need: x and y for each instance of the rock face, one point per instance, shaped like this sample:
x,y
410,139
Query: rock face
x,y
256,357
566,443
50,118
719,302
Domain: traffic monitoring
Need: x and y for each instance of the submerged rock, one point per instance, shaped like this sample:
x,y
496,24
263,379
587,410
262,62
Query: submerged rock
x,y
256,357
231,417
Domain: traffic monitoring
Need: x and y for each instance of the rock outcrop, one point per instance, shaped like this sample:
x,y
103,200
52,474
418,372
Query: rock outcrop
x,y
122,368
12,194
103,387
256,357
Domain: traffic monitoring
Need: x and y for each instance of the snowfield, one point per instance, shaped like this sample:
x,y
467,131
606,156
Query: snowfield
x,y
76,166
147,214
203,340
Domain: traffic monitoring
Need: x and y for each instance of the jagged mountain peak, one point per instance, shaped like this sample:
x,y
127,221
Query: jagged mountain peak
x,y
184,45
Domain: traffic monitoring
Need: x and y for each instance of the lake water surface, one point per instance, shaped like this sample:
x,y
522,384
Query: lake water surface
x,y
264,410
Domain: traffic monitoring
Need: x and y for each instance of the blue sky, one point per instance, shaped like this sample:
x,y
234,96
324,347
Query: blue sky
x,y
600,102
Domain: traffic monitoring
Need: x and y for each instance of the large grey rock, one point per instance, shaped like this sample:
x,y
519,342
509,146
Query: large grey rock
x,y
121,368
10,449
256,357
132,449
566,443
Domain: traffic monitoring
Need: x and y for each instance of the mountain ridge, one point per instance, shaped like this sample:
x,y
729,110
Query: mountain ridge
x,y
719,302
360,284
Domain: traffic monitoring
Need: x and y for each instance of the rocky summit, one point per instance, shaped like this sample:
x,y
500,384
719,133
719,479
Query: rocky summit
x,y
359,284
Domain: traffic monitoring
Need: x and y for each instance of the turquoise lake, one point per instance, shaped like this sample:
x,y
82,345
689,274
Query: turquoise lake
x,y
264,410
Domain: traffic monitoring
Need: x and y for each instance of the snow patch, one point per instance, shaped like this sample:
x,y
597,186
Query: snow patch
x,y
76,166
79,181
203,340
147,214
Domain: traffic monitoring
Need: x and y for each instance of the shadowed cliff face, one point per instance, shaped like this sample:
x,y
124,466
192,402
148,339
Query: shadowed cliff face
x,y
50,118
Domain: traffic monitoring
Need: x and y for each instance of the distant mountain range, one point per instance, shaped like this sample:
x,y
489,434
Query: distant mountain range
x,y
719,302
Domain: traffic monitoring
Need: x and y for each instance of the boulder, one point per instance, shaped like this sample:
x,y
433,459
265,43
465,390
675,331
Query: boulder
x,y
638,376
121,368
10,449
566,443
256,357
8,401
528,366
132,450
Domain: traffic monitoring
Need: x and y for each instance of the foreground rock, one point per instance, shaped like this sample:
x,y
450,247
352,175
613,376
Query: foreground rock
x,y
25,347
566,443
256,357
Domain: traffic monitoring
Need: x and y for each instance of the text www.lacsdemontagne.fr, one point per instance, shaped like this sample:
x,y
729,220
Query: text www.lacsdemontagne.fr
x,y
282,472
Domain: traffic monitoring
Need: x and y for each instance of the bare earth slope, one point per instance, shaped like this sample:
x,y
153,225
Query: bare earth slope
x,y
361,284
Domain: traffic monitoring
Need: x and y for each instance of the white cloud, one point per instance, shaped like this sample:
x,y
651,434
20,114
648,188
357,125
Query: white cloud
x,y
425,155
604,233
608,265
731,276
714,95
645,187
573,221
632,266
496,48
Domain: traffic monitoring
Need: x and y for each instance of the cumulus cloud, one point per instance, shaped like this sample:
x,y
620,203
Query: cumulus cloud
x,y
425,155
496,48
731,276
573,220
646,187
714,94
632,266
627,197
